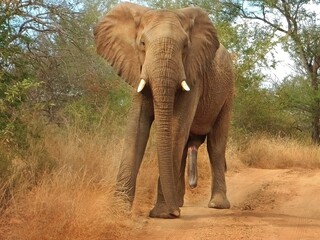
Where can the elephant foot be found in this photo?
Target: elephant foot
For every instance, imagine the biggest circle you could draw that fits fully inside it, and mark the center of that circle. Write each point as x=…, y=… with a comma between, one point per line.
x=181, y=202
x=161, y=210
x=123, y=200
x=219, y=201
x=181, y=197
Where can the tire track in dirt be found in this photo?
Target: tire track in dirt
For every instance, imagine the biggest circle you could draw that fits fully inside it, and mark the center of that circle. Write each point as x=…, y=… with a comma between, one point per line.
x=266, y=204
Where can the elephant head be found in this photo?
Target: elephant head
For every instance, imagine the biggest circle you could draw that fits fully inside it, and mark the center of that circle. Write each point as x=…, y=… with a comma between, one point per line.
x=167, y=51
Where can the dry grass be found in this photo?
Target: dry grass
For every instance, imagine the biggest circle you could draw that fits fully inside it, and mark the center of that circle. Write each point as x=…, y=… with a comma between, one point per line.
x=73, y=201
x=266, y=152
x=65, y=206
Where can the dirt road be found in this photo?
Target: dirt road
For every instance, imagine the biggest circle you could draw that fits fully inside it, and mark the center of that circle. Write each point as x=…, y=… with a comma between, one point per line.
x=266, y=204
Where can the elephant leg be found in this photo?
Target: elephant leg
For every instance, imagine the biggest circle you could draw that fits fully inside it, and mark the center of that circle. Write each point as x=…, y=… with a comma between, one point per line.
x=181, y=181
x=182, y=120
x=137, y=134
x=160, y=209
x=216, y=144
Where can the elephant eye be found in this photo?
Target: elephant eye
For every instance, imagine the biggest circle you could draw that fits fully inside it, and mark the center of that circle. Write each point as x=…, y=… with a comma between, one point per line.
x=142, y=44
x=185, y=46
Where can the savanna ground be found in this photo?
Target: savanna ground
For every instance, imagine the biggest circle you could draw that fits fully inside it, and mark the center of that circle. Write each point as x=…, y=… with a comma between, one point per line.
x=273, y=186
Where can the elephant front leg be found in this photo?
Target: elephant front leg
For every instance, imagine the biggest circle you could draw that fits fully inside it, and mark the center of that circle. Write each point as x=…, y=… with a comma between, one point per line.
x=181, y=181
x=216, y=144
x=184, y=110
x=137, y=134
x=161, y=210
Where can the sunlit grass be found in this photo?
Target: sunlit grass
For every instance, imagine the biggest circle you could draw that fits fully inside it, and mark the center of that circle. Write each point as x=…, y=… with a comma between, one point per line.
x=64, y=188
x=266, y=152
x=72, y=200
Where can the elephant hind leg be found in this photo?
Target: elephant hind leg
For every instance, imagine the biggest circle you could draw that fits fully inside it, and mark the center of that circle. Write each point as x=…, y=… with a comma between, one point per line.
x=216, y=144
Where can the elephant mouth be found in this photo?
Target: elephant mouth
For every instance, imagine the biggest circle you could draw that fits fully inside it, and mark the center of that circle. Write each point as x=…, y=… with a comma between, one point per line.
x=143, y=82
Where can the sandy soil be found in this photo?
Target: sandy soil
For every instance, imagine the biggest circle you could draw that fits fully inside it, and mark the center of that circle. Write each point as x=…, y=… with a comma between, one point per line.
x=266, y=204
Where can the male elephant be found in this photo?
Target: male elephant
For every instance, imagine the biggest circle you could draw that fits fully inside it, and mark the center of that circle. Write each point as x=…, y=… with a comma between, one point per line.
x=184, y=81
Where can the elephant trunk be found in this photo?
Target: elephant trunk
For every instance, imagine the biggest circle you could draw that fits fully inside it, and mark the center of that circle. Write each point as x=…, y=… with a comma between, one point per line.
x=162, y=63
x=163, y=105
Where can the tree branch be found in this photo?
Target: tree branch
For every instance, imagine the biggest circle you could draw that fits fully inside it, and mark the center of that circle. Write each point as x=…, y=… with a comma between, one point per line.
x=264, y=19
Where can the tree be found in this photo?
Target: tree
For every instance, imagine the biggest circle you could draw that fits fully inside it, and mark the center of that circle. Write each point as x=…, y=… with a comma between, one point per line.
x=23, y=24
x=296, y=22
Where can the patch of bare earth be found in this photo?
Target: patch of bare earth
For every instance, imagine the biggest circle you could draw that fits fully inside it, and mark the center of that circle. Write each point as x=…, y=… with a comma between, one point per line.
x=266, y=204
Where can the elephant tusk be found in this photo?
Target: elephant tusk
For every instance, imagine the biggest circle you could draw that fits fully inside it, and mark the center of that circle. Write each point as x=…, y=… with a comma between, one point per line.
x=141, y=85
x=185, y=86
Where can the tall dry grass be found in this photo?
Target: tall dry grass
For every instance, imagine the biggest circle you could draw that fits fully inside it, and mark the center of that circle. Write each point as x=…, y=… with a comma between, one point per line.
x=266, y=152
x=72, y=197
x=74, y=200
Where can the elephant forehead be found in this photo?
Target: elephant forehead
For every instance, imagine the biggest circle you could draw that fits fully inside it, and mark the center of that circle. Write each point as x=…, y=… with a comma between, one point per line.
x=160, y=16
x=163, y=23
x=163, y=30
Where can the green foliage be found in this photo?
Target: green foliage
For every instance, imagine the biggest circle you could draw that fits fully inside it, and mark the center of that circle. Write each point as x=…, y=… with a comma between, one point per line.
x=12, y=96
x=106, y=114
x=297, y=29
x=120, y=99
x=166, y=4
x=259, y=111
x=300, y=99
x=256, y=108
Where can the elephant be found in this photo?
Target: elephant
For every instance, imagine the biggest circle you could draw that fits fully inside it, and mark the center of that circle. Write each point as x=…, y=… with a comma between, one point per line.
x=193, y=145
x=184, y=80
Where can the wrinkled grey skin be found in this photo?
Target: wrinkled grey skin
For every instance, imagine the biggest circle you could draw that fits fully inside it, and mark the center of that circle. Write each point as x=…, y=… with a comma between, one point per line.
x=166, y=47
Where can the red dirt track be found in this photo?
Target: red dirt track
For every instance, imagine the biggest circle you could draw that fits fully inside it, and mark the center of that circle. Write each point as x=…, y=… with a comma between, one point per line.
x=266, y=204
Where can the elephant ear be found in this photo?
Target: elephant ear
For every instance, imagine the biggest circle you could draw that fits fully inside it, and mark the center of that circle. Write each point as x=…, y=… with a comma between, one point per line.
x=204, y=43
x=115, y=37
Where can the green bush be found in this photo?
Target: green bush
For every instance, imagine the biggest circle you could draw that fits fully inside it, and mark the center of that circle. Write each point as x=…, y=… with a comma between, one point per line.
x=106, y=114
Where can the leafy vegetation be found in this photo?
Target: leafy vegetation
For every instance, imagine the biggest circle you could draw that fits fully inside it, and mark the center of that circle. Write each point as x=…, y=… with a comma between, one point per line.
x=295, y=26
